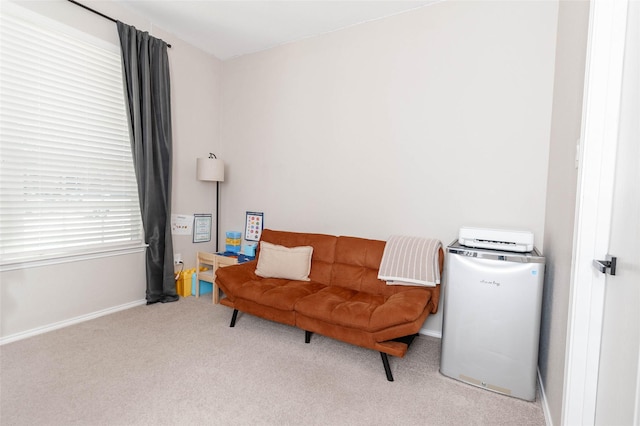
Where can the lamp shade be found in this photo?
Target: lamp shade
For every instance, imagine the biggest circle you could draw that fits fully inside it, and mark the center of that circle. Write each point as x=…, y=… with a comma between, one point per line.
x=210, y=169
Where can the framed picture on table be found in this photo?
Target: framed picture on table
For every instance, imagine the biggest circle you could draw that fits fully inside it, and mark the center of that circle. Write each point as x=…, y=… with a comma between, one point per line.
x=201, y=228
x=253, y=226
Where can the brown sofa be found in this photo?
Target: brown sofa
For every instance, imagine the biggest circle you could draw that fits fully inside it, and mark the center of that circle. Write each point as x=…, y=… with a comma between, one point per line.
x=343, y=299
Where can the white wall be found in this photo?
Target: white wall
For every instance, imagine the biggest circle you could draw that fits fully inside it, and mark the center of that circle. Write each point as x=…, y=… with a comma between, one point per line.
x=33, y=299
x=415, y=124
x=573, y=20
x=39, y=299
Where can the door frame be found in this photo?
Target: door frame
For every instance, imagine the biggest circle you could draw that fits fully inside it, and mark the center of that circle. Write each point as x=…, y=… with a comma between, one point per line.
x=600, y=118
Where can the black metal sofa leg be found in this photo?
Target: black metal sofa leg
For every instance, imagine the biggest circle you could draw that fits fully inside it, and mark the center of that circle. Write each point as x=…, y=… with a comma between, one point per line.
x=307, y=336
x=387, y=369
x=233, y=318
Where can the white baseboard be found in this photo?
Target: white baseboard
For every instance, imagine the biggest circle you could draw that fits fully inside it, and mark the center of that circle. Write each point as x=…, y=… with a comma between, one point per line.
x=68, y=322
x=544, y=402
x=432, y=333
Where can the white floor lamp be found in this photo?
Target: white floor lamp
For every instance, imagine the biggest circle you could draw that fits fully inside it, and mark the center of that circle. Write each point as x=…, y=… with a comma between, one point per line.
x=212, y=169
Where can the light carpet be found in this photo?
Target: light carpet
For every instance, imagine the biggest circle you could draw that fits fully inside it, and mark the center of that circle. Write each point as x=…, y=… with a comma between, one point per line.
x=181, y=364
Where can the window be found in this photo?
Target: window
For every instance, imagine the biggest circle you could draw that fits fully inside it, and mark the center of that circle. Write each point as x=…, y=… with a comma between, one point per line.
x=67, y=182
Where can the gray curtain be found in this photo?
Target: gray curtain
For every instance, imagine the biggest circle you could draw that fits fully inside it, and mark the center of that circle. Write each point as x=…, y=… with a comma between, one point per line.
x=146, y=78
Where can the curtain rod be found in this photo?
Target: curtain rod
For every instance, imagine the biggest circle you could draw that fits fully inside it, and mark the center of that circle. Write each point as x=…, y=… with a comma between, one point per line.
x=98, y=13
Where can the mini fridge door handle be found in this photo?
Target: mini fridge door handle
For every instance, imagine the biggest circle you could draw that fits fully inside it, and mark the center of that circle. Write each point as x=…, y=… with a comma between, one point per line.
x=608, y=263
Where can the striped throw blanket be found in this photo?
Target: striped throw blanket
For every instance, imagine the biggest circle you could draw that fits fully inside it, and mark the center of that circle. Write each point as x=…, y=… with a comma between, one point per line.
x=410, y=261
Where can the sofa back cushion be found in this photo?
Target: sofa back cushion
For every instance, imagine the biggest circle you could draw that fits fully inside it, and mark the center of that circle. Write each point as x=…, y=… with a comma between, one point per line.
x=323, y=250
x=356, y=265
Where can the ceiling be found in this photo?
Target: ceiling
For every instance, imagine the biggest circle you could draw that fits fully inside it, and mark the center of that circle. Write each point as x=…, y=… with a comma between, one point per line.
x=229, y=28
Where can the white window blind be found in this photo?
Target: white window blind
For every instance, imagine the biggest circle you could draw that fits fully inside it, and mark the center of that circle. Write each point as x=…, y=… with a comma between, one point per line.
x=67, y=183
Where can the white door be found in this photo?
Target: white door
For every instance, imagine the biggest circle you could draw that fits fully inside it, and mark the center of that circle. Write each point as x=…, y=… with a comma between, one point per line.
x=617, y=395
x=602, y=382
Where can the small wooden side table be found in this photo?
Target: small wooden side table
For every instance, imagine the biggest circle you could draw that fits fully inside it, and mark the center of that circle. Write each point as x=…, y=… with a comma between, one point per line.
x=212, y=261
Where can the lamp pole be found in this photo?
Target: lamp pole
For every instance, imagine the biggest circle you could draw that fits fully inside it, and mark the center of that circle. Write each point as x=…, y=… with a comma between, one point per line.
x=217, y=211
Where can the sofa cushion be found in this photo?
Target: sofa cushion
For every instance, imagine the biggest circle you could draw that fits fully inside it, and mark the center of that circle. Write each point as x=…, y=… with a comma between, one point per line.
x=323, y=250
x=365, y=311
x=276, y=261
x=356, y=265
x=274, y=292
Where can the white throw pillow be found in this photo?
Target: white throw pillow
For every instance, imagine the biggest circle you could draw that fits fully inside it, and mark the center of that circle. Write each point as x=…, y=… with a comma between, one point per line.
x=276, y=261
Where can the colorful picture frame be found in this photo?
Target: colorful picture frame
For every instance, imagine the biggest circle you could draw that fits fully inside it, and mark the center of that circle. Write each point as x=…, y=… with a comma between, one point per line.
x=254, y=225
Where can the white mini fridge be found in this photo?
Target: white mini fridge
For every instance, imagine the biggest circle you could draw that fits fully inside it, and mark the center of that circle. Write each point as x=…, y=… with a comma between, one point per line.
x=491, y=318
